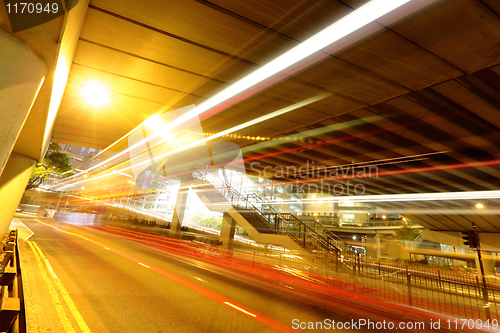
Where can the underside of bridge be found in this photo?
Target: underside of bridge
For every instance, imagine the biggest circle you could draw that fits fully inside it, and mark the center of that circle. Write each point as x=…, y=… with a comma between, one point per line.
x=413, y=97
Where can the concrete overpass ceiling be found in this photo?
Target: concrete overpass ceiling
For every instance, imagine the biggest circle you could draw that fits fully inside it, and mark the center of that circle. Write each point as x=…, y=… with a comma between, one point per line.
x=418, y=98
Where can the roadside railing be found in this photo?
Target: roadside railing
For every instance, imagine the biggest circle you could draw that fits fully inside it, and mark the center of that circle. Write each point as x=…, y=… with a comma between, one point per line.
x=446, y=291
x=453, y=293
x=10, y=303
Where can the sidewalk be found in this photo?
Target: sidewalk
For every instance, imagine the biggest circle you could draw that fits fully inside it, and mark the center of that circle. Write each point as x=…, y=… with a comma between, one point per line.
x=47, y=304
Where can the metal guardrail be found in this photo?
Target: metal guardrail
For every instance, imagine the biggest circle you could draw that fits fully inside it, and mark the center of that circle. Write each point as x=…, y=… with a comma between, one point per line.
x=440, y=290
x=10, y=303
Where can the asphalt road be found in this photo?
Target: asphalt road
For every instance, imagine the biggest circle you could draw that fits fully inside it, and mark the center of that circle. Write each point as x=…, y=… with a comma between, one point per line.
x=119, y=283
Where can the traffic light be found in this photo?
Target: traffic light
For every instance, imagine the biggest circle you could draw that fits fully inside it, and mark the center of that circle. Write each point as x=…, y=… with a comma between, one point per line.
x=469, y=239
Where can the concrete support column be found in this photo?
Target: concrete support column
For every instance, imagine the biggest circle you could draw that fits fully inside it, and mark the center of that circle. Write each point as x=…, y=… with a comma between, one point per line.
x=373, y=211
x=335, y=209
x=13, y=180
x=227, y=231
x=378, y=246
x=179, y=210
x=21, y=75
x=284, y=192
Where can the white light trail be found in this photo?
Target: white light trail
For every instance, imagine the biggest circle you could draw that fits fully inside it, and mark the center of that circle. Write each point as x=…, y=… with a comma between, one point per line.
x=364, y=15
x=236, y=128
x=471, y=195
x=240, y=309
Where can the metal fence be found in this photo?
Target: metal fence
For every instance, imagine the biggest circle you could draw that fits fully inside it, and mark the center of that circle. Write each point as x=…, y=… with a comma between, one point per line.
x=440, y=290
x=444, y=291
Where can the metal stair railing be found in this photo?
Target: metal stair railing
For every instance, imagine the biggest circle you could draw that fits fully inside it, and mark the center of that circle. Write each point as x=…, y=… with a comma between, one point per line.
x=237, y=200
x=309, y=234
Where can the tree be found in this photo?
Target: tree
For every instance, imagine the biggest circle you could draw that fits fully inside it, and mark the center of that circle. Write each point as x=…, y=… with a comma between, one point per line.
x=210, y=220
x=407, y=233
x=54, y=163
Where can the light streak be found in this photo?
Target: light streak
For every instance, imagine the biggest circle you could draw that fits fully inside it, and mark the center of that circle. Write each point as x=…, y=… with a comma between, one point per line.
x=359, y=18
x=183, y=282
x=439, y=196
x=212, y=137
x=236, y=128
x=240, y=309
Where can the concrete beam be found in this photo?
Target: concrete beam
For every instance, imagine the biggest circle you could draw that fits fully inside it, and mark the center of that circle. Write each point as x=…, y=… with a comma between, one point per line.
x=489, y=241
x=22, y=72
x=56, y=42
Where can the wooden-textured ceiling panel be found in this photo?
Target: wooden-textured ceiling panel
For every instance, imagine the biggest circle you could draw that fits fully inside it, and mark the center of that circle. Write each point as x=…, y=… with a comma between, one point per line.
x=383, y=52
x=107, y=117
x=398, y=99
x=350, y=81
x=91, y=126
x=80, y=75
x=298, y=19
x=104, y=59
x=394, y=58
x=130, y=38
x=202, y=25
x=464, y=33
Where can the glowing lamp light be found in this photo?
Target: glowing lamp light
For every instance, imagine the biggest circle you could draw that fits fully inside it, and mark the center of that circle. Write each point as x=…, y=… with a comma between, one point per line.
x=384, y=217
x=479, y=205
x=95, y=94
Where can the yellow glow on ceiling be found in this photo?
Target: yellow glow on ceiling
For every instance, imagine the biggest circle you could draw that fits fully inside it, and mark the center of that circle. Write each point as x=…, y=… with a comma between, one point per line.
x=96, y=94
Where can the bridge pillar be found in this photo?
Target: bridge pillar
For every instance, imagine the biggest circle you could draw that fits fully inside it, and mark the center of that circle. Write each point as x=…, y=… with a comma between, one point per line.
x=378, y=247
x=13, y=181
x=21, y=75
x=179, y=211
x=227, y=231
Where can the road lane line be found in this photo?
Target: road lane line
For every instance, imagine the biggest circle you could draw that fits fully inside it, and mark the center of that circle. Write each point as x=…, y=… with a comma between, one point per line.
x=50, y=269
x=193, y=286
x=240, y=309
x=23, y=226
x=143, y=265
x=53, y=293
x=69, y=302
x=45, y=260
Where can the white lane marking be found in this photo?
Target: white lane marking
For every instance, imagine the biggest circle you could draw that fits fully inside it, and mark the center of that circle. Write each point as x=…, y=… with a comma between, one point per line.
x=18, y=221
x=240, y=309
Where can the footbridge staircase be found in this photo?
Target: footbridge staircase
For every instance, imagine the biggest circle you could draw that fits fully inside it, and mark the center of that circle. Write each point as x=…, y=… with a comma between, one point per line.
x=266, y=224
